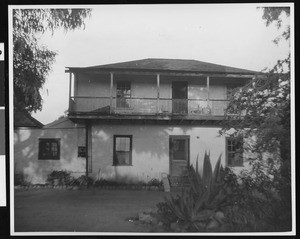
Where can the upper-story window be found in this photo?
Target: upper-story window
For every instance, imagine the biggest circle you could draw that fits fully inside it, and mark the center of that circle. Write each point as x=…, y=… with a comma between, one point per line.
x=123, y=94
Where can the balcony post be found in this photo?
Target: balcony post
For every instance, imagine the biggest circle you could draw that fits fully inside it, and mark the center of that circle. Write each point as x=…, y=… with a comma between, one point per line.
x=111, y=91
x=70, y=87
x=207, y=88
x=157, y=99
x=87, y=143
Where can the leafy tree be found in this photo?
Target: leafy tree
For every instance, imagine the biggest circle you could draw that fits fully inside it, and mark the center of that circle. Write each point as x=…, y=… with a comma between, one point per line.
x=273, y=15
x=261, y=110
x=32, y=61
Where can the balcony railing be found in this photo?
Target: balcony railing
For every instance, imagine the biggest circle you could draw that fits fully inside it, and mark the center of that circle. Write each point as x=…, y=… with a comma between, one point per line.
x=147, y=106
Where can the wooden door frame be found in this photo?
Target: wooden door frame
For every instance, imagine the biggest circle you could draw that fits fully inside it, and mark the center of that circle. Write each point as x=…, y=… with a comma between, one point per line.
x=170, y=158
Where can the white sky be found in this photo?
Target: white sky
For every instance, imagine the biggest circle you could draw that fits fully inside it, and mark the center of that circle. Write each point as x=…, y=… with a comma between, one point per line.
x=232, y=35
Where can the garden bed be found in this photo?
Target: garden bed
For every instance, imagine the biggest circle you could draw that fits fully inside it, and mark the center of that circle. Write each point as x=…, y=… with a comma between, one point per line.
x=109, y=187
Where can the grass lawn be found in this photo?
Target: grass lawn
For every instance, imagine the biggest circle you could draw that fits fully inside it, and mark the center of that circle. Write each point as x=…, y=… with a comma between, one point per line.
x=87, y=210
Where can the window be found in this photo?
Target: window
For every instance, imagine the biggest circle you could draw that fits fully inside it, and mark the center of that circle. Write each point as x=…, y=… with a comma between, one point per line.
x=122, y=150
x=234, y=152
x=179, y=149
x=81, y=151
x=123, y=94
x=49, y=149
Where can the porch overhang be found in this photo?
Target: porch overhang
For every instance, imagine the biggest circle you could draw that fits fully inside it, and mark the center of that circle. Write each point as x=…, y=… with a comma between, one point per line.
x=149, y=119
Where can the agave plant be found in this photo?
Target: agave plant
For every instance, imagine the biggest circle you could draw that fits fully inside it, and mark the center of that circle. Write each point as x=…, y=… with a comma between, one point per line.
x=198, y=203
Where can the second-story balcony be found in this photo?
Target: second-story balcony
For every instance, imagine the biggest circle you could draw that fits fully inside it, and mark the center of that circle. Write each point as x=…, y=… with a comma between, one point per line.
x=146, y=106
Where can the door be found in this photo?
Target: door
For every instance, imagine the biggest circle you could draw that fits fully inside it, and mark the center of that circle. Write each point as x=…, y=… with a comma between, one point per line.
x=179, y=155
x=179, y=97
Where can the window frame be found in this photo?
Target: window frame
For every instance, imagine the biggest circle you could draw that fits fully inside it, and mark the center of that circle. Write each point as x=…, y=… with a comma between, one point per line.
x=115, y=161
x=227, y=139
x=49, y=155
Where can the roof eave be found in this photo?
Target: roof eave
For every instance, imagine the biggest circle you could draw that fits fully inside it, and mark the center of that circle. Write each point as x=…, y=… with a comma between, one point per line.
x=161, y=71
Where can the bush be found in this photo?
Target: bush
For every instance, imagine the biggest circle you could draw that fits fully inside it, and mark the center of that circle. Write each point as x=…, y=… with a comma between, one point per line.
x=19, y=180
x=222, y=201
x=198, y=205
x=105, y=182
x=165, y=214
x=255, y=202
x=155, y=182
x=63, y=177
x=84, y=180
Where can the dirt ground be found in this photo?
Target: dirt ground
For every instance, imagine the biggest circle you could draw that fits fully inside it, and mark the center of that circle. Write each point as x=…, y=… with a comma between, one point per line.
x=87, y=210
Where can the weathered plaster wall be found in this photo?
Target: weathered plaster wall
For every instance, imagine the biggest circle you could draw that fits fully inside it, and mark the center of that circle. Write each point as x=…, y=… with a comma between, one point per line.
x=26, y=160
x=150, y=149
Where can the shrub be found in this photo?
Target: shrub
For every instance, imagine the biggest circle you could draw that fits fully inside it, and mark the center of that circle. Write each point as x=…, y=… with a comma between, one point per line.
x=165, y=214
x=196, y=206
x=84, y=180
x=63, y=177
x=155, y=182
x=105, y=182
x=19, y=180
x=255, y=202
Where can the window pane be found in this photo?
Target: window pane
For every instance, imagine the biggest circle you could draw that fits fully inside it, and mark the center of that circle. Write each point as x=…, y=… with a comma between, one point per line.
x=122, y=153
x=123, y=144
x=122, y=158
x=234, y=152
x=179, y=150
x=49, y=149
x=54, y=149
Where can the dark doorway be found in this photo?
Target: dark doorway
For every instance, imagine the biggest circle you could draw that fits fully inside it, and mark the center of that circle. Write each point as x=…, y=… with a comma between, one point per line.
x=180, y=97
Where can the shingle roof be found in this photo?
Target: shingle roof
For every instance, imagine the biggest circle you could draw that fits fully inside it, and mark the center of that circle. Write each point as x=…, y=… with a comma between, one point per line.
x=62, y=122
x=169, y=65
x=24, y=119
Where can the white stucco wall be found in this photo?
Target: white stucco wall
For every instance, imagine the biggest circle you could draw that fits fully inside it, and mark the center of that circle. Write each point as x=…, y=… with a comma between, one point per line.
x=150, y=149
x=26, y=149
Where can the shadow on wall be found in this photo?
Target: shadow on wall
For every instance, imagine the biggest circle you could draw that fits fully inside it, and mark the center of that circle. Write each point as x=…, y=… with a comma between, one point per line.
x=150, y=153
x=26, y=151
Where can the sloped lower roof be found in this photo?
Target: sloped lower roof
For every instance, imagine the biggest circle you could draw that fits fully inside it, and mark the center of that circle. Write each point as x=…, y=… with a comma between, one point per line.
x=62, y=123
x=24, y=119
x=169, y=65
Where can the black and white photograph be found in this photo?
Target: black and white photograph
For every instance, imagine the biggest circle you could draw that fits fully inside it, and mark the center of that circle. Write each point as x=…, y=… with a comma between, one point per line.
x=152, y=119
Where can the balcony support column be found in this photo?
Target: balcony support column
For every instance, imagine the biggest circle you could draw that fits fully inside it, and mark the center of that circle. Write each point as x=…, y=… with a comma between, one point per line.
x=111, y=91
x=87, y=148
x=158, y=89
x=207, y=88
x=70, y=87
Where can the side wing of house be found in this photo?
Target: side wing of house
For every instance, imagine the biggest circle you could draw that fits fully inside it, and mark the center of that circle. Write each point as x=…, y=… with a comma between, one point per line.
x=39, y=151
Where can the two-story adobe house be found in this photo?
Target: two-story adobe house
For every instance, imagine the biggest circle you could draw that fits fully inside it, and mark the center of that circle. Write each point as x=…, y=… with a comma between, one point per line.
x=151, y=117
